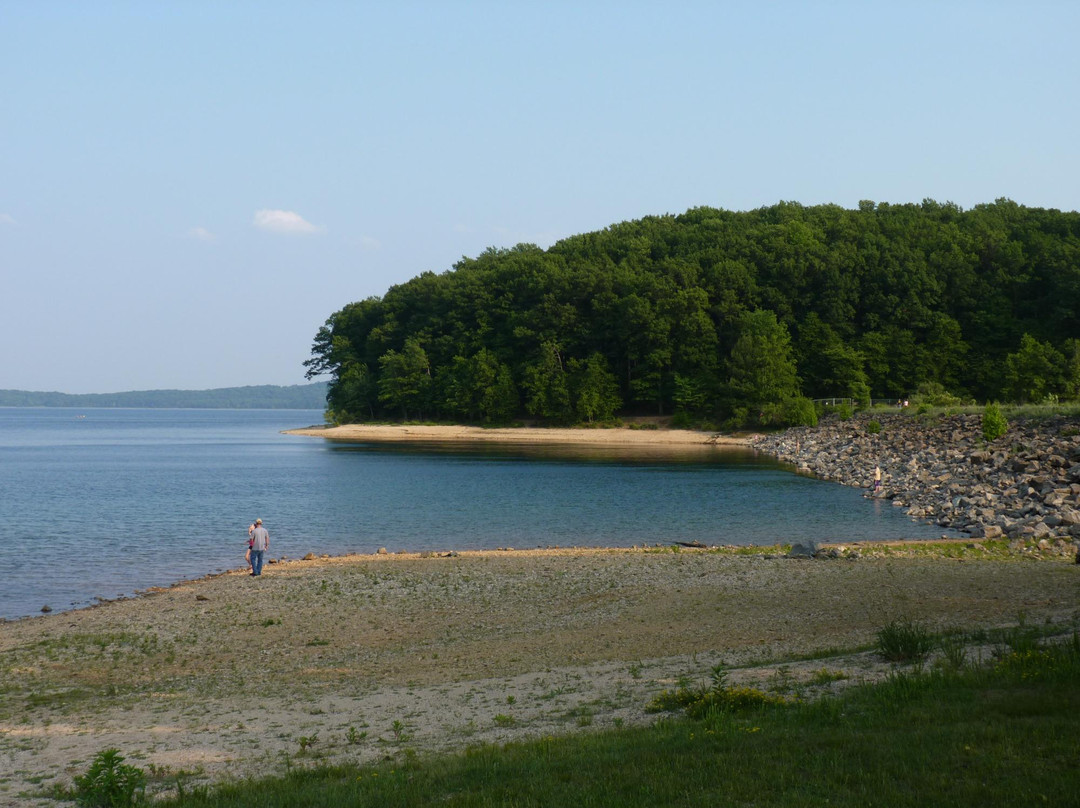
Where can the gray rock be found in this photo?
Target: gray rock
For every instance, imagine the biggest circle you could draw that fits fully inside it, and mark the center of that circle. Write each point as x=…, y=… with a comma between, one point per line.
x=940, y=470
x=807, y=548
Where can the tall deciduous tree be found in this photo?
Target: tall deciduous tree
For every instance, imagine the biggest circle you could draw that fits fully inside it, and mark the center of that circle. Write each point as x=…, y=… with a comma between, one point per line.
x=761, y=366
x=594, y=391
x=1035, y=371
x=762, y=372
x=406, y=378
x=546, y=389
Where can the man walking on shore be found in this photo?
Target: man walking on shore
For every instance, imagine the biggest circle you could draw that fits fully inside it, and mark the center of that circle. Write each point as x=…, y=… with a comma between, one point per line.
x=260, y=543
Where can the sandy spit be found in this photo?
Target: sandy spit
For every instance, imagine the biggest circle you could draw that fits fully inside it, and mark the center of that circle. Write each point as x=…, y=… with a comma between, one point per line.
x=623, y=436
x=362, y=657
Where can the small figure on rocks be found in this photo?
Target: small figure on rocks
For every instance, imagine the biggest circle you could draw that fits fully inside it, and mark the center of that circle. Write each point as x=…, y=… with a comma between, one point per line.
x=877, y=479
x=260, y=543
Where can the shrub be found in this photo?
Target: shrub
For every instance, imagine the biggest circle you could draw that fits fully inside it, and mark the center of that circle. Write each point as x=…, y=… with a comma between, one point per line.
x=844, y=411
x=874, y=427
x=110, y=783
x=934, y=394
x=682, y=420
x=799, y=411
x=994, y=424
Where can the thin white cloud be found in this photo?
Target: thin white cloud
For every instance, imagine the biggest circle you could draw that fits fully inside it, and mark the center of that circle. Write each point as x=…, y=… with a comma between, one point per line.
x=8, y=220
x=202, y=234
x=369, y=243
x=285, y=221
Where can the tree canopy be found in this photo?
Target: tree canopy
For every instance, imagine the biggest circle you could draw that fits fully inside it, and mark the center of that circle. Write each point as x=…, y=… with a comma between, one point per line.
x=722, y=315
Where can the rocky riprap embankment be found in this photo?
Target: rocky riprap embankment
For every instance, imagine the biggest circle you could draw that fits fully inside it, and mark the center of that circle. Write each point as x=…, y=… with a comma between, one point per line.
x=1024, y=486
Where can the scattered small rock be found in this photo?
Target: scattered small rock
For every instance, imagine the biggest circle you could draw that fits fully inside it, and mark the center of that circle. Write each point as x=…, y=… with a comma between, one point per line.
x=47, y=608
x=383, y=551
x=201, y=597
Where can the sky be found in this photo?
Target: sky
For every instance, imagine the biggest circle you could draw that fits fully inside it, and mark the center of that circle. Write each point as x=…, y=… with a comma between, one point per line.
x=188, y=190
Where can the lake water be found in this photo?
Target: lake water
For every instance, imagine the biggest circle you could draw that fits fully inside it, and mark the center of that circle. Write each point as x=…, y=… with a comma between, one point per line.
x=101, y=503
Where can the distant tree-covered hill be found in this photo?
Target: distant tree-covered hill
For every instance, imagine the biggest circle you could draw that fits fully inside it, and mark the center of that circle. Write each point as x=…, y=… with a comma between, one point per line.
x=734, y=316
x=267, y=396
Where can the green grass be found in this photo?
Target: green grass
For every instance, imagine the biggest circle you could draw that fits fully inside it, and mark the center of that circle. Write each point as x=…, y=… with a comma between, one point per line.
x=1002, y=734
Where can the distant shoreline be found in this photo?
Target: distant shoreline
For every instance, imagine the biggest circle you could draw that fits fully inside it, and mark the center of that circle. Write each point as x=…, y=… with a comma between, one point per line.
x=252, y=397
x=622, y=437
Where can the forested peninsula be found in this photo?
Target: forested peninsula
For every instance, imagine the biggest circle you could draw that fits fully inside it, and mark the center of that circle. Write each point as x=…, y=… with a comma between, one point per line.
x=727, y=318
x=265, y=396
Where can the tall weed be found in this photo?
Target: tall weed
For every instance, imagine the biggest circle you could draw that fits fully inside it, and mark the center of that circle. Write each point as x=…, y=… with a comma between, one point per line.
x=904, y=641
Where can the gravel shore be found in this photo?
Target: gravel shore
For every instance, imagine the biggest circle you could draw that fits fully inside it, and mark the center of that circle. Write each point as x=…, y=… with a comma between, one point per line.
x=360, y=657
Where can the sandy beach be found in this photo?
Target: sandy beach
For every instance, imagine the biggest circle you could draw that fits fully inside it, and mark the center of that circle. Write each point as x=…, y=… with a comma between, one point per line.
x=361, y=657
x=641, y=434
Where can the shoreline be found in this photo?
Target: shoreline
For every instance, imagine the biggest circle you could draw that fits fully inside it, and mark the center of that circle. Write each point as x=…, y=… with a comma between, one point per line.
x=850, y=550
x=523, y=436
x=351, y=653
x=344, y=649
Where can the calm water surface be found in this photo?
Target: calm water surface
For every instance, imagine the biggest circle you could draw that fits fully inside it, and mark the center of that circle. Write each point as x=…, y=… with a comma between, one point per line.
x=100, y=503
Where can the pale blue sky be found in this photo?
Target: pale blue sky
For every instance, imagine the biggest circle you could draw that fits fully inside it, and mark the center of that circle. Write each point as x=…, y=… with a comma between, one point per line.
x=189, y=189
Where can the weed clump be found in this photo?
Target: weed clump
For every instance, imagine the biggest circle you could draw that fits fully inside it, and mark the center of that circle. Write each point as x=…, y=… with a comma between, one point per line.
x=111, y=783
x=698, y=702
x=904, y=641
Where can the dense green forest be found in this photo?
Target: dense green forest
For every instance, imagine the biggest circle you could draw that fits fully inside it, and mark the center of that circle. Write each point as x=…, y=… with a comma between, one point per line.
x=725, y=317
x=266, y=396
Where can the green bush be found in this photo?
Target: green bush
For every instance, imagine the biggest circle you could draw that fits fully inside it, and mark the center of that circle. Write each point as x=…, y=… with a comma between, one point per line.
x=994, y=424
x=874, y=427
x=934, y=394
x=844, y=411
x=110, y=783
x=682, y=420
x=799, y=411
